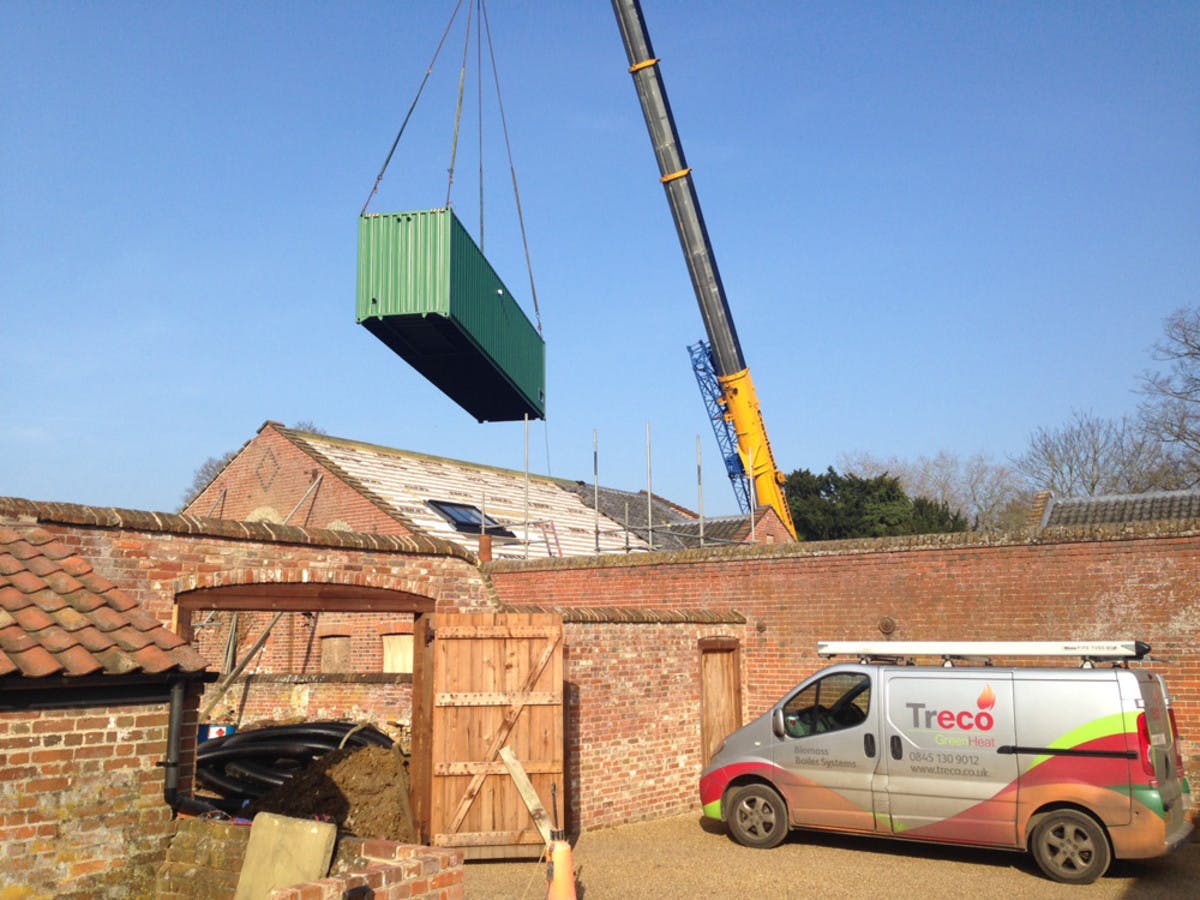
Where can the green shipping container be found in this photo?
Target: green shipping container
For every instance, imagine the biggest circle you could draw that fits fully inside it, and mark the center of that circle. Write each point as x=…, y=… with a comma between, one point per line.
x=427, y=292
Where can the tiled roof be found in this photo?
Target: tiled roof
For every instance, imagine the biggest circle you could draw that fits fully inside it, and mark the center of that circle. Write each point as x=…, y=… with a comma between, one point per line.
x=402, y=482
x=58, y=617
x=629, y=510
x=1120, y=509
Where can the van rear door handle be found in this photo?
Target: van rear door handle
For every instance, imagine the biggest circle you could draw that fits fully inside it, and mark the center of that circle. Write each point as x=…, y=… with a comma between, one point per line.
x=869, y=745
x=897, y=750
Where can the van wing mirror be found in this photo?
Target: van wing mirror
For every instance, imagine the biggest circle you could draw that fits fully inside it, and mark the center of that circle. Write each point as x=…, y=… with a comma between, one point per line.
x=777, y=723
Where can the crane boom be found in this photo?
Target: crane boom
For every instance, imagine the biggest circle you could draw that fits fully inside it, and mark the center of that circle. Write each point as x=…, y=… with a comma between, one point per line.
x=739, y=398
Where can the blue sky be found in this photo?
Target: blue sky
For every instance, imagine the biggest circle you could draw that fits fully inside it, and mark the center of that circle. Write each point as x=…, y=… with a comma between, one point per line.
x=940, y=226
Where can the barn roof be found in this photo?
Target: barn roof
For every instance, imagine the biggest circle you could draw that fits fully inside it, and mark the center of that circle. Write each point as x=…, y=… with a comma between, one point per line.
x=58, y=617
x=1120, y=509
x=412, y=486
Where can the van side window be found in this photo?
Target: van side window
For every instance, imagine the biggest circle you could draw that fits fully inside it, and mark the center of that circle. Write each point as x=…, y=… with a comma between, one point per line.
x=837, y=701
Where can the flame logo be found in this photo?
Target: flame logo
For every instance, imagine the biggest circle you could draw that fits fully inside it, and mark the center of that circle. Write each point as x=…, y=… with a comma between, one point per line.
x=987, y=699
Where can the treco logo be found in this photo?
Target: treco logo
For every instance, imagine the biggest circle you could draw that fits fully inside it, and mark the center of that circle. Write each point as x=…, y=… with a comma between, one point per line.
x=949, y=720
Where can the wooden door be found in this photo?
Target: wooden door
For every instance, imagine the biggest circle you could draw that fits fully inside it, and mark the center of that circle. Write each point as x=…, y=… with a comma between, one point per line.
x=482, y=682
x=720, y=693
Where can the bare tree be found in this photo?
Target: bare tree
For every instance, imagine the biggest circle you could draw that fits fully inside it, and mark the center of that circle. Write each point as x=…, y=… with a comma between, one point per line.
x=1171, y=410
x=1091, y=456
x=992, y=496
x=202, y=476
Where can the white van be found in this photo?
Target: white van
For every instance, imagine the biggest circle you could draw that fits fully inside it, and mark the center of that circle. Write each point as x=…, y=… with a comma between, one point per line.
x=1075, y=765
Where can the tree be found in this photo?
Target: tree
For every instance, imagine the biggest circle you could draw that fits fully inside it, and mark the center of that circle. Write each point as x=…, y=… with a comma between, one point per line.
x=1171, y=411
x=830, y=506
x=1091, y=456
x=202, y=476
x=990, y=496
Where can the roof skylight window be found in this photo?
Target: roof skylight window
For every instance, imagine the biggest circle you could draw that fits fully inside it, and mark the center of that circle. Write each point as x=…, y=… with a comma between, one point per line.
x=468, y=519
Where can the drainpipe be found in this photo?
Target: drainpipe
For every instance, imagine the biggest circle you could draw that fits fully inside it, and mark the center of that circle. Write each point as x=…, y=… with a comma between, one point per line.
x=178, y=804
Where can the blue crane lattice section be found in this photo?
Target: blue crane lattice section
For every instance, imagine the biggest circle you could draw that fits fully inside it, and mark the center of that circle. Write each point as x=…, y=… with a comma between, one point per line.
x=710, y=391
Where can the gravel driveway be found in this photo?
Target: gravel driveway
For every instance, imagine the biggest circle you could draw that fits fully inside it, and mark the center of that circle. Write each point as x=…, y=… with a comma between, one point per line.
x=687, y=857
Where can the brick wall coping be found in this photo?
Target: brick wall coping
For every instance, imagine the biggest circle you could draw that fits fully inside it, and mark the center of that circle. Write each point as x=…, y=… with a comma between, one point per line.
x=613, y=615
x=1027, y=537
x=178, y=523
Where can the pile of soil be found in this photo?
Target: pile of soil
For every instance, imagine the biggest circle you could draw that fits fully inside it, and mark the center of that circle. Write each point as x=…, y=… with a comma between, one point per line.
x=364, y=790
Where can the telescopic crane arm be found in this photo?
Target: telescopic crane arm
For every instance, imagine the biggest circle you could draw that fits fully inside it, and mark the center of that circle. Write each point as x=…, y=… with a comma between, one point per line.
x=739, y=399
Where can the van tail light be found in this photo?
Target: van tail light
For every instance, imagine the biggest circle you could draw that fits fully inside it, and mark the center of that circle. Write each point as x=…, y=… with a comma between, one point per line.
x=1145, y=751
x=1175, y=740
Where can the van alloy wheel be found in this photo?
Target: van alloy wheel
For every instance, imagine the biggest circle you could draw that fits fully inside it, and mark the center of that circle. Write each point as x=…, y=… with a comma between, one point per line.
x=757, y=816
x=1070, y=846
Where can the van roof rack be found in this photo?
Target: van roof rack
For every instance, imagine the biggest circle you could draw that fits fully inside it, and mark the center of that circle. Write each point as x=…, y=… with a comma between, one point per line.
x=895, y=651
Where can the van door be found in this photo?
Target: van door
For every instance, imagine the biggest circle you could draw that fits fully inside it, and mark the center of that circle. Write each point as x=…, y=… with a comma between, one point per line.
x=942, y=777
x=827, y=745
x=1158, y=742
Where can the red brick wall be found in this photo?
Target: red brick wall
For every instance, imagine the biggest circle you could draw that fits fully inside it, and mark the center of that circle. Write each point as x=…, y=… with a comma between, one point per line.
x=79, y=788
x=633, y=722
x=272, y=472
x=1075, y=585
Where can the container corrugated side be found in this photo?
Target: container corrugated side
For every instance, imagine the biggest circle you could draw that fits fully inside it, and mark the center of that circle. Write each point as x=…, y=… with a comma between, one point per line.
x=430, y=295
x=482, y=304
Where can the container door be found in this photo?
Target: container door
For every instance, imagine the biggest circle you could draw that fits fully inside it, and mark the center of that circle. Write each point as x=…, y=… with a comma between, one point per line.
x=944, y=778
x=829, y=750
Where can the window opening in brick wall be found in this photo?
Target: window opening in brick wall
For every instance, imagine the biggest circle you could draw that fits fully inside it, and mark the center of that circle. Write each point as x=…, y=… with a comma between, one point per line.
x=398, y=653
x=335, y=653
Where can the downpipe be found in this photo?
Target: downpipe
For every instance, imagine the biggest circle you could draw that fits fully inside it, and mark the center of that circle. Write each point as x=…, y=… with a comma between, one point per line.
x=179, y=804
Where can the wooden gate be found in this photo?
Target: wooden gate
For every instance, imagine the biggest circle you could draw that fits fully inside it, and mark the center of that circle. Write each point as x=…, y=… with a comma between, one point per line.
x=482, y=682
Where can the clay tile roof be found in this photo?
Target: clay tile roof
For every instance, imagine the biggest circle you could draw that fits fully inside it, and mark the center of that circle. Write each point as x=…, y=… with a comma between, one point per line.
x=95, y=583
x=26, y=582
x=12, y=599
x=41, y=566
x=121, y=601
x=48, y=600
x=70, y=619
x=58, y=580
x=35, y=662
x=59, y=618
x=33, y=619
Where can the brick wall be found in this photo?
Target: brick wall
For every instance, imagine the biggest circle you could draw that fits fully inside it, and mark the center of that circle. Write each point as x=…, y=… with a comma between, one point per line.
x=79, y=788
x=205, y=858
x=633, y=726
x=1078, y=584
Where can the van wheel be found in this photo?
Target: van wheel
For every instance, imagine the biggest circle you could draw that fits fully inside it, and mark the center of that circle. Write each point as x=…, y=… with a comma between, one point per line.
x=1071, y=847
x=757, y=816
